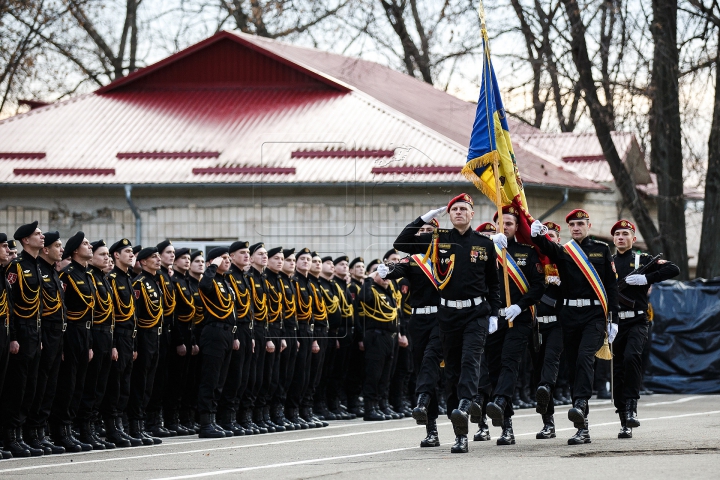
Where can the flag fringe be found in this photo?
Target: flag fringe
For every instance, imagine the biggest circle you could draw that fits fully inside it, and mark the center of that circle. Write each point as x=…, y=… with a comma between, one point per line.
x=468, y=172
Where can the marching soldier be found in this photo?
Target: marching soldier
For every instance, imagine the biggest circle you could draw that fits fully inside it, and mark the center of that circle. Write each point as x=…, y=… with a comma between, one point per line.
x=590, y=298
x=53, y=326
x=504, y=349
x=546, y=362
x=102, y=341
x=149, y=315
x=290, y=327
x=80, y=297
x=633, y=320
x=217, y=340
x=465, y=270
x=5, y=311
x=320, y=340
x=124, y=349
x=356, y=366
x=190, y=394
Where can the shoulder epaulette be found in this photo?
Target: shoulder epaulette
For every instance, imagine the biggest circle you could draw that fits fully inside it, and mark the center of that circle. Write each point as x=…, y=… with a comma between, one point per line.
x=526, y=245
x=70, y=268
x=600, y=242
x=442, y=230
x=113, y=275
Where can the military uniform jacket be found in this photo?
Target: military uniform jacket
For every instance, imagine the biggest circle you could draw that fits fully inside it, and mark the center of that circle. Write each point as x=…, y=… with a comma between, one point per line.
x=289, y=301
x=551, y=301
x=167, y=289
x=379, y=307
x=527, y=260
x=625, y=264
x=184, y=308
x=217, y=298
x=303, y=299
x=258, y=296
x=53, y=295
x=103, y=311
x=353, y=290
x=24, y=277
x=240, y=282
x=5, y=304
x=123, y=300
x=148, y=301
x=319, y=307
x=194, y=285
x=331, y=297
x=347, y=311
x=475, y=271
x=274, y=290
x=422, y=292
x=79, y=293
x=574, y=285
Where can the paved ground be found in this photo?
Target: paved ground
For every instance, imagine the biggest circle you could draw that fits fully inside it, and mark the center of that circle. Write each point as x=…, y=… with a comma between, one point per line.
x=679, y=437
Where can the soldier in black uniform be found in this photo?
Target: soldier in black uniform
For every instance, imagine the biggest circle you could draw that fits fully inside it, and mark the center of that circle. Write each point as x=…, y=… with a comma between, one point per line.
x=149, y=316
x=466, y=267
x=633, y=321
x=80, y=297
x=505, y=348
x=393, y=401
x=182, y=340
x=356, y=365
x=25, y=278
x=546, y=361
x=190, y=393
x=217, y=341
x=582, y=318
x=344, y=340
x=102, y=341
x=53, y=326
x=424, y=334
x=123, y=350
x=320, y=340
x=169, y=344
x=331, y=297
x=5, y=312
x=290, y=327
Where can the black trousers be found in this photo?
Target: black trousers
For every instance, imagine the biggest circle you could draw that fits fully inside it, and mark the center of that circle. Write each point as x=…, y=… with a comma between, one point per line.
x=427, y=356
x=462, y=333
x=237, y=375
x=4, y=354
x=117, y=392
x=327, y=367
x=142, y=376
x=627, y=364
x=301, y=375
x=160, y=381
x=403, y=367
x=47, y=376
x=190, y=392
x=379, y=346
x=216, y=344
x=287, y=366
x=71, y=379
x=316, y=365
x=341, y=343
x=21, y=377
x=97, y=375
x=546, y=362
x=354, y=378
x=178, y=371
x=271, y=367
x=583, y=335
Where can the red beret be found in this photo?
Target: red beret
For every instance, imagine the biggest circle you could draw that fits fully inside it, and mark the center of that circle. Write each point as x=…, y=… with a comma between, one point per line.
x=486, y=227
x=508, y=210
x=577, y=214
x=434, y=222
x=463, y=197
x=623, y=225
x=552, y=226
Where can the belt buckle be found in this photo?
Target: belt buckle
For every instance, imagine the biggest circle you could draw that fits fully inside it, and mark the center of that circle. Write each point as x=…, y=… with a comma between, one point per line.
x=160, y=330
x=134, y=332
x=234, y=329
x=586, y=302
x=458, y=304
x=64, y=326
x=88, y=324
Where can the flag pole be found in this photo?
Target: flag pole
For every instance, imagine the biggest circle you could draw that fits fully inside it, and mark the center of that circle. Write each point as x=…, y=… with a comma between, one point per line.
x=496, y=174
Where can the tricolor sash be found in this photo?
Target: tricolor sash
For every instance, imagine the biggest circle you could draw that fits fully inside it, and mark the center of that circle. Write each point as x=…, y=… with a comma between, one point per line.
x=514, y=272
x=425, y=267
x=431, y=265
x=583, y=263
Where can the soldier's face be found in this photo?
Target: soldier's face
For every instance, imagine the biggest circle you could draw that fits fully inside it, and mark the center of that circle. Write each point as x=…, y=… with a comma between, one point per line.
x=341, y=269
x=275, y=263
x=168, y=256
x=259, y=258
x=13, y=255
x=509, y=225
x=225, y=264
x=461, y=214
x=554, y=236
x=241, y=257
x=394, y=258
x=54, y=252
x=303, y=264
x=110, y=265
x=579, y=228
x=358, y=270
x=197, y=266
x=100, y=258
x=316, y=266
x=125, y=257
x=427, y=228
x=289, y=264
x=36, y=240
x=4, y=253
x=182, y=264
x=152, y=262
x=383, y=282
x=372, y=268
x=328, y=268
x=624, y=239
x=84, y=252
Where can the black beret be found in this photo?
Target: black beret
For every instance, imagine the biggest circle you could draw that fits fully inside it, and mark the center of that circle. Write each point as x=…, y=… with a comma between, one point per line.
x=256, y=246
x=326, y=258
x=50, y=238
x=136, y=249
x=239, y=245
x=3, y=237
x=314, y=254
x=181, y=251
x=73, y=244
x=372, y=262
x=97, y=244
x=343, y=258
x=356, y=260
x=288, y=251
x=12, y=245
x=25, y=230
x=274, y=251
x=120, y=245
x=303, y=251
x=146, y=253
x=392, y=251
x=216, y=252
x=163, y=245
x=195, y=254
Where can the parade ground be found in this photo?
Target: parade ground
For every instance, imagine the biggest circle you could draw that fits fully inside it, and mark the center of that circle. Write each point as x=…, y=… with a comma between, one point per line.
x=679, y=438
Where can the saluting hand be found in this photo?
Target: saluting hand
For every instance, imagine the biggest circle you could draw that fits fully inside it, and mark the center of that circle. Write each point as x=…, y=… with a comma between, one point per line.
x=217, y=261
x=432, y=214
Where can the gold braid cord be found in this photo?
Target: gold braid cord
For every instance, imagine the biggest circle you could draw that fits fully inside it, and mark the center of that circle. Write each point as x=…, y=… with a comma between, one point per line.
x=154, y=311
x=28, y=295
x=123, y=311
x=168, y=296
x=4, y=308
x=275, y=304
x=332, y=303
x=261, y=309
x=320, y=304
x=51, y=304
x=346, y=308
x=87, y=300
x=242, y=298
x=224, y=306
x=188, y=302
x=289, y=307
x=103, y=306
x=381, y=310
x=304, y=310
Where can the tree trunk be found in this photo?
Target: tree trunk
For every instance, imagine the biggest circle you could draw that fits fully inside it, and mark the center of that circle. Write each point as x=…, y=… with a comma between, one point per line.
x=709, y=256
x=603, y=122
x=666, y=159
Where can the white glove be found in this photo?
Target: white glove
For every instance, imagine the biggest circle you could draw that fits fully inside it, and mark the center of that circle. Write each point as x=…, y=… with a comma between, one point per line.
x=492, y=327
x=636, y=279
x=432, y=214
x=383, y=270
x=612, y=331
x=553, y=279
x=536, y=228
x=511, y=312
x=500, y=240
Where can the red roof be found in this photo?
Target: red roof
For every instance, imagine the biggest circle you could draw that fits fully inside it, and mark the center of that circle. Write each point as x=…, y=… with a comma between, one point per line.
x=236, y=108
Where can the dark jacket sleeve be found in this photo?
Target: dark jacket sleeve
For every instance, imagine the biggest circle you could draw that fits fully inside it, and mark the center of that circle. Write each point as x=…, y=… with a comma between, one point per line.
x=537, y=283
x=610, y=282
x=661, y=272
x=400, y=270
x=492, y=280
x=409, y=242
x=206, y=282
x=551, y=249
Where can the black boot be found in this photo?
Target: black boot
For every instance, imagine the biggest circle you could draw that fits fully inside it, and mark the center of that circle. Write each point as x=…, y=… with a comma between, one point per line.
x=157, y=428
x=268, y=420
x=577, y=413
x=207, y=430
x=526, y=397
x=278, y=417
x=5, y=455
x=243, y=420
x=582, y=436
x=257, y=419
x=516, y=402
x=30, y=438
x=625, y=431
x=86, y=436
x=432, y=439
x=459, y=418
x=483, y=433
x=11, y=444
x=387, y=410
x=420, y=413
x=85, y=447
x=542, y=399
x=174, y=425
x=294, y=416
x=567, y=396
x=120, y=428
x=96, y=435
x=135, y=431
x=228, y=422
x=603, y=392
x=507, y=437
x=631, y=419
x=318, y=423
x=35, y=452
x=548, y=430
x=496, y=410
x=60, y=436
x=112, y=435
x=558, y=398
x=146, y=434
x=371, y=413
x=460, y=445
x=45, y=441
x=476, y=413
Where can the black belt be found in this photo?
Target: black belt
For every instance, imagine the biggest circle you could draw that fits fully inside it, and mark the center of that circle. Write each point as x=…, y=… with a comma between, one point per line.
x=387, y=332
x=126, y=332
x=224, y=326
x=103, y=328
x=80, y=324
x=60, y=327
